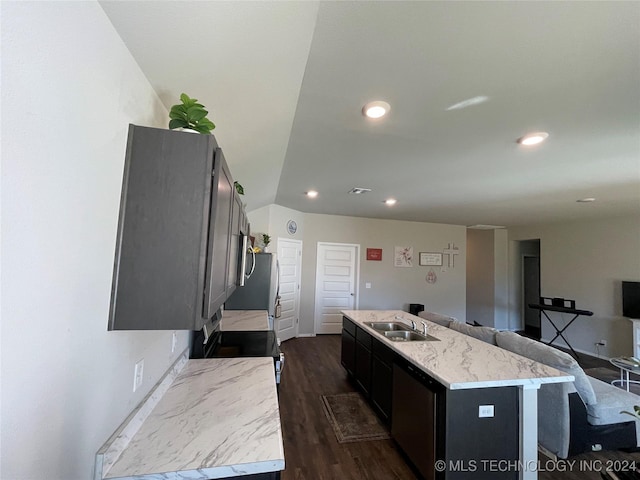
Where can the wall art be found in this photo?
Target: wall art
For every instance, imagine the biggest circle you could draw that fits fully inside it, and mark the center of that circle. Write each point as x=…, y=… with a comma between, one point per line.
x=429, y=258
x=374, y=254
x=403, y=257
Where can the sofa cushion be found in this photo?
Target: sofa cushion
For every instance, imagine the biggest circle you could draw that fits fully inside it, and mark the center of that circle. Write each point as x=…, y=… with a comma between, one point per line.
x=437, y=318
x=550, y=356
x=611, y=401
x=486, y=334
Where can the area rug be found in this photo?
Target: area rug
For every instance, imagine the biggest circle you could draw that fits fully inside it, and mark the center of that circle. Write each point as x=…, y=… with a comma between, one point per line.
x=352, y=419
x=607, y=375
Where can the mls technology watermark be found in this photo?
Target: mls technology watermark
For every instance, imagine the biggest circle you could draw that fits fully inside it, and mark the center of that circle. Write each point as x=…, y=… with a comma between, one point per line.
x=536, y=466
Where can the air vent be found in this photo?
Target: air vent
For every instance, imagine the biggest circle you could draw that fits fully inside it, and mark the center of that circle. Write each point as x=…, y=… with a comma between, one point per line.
x=359, y=190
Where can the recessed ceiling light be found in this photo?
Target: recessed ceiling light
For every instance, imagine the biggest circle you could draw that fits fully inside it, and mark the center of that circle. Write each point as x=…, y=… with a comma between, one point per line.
x=533, y=138
x=312, y=194
x=468, y=103
x=359, y=190
x=586, y=200
x=390, y=201
x=376, y=109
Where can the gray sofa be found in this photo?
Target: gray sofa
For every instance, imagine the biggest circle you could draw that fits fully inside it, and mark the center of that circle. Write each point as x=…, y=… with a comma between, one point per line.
x=573, y=417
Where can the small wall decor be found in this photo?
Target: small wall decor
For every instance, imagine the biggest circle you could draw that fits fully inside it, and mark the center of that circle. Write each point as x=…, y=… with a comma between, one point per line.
x=403, y=257
x=431, y=277
x=450, y=252
x=292, y=227
x=374, y=254
x=428, y=258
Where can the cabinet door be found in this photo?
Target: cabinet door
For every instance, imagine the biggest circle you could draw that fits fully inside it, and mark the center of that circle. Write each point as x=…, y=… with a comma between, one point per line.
x=235, y=244
x=219, y=234
x=159, y=265
x=348, y=354
x=363, y=368
x=382, y=379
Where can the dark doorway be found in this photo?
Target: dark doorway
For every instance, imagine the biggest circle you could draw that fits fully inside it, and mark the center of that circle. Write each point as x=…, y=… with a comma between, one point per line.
x=531, y=294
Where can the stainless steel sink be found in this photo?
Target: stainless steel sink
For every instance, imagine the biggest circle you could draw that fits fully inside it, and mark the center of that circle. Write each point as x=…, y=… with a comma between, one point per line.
x=387, y=326
x=409, y=336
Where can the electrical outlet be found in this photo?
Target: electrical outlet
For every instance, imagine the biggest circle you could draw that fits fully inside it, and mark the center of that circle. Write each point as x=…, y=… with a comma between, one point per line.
x=367, y=285
x=138, y=375
x=174, y=342
x=485, y=411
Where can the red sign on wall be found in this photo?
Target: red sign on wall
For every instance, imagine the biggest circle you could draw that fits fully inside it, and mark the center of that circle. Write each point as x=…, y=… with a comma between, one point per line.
x=374, y=254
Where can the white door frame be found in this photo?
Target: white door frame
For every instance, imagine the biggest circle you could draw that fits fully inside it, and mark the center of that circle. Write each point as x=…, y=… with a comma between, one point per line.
x=356, y=279
x=297, y=291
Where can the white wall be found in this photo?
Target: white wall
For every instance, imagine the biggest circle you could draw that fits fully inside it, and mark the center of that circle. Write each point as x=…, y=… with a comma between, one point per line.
x=272, y=219
x=391, y=287
x=480, y=276
x=586, y=261
x=70, y=88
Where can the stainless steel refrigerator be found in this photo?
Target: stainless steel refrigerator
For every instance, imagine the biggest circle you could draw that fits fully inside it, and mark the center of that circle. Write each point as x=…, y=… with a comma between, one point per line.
x=261, y=289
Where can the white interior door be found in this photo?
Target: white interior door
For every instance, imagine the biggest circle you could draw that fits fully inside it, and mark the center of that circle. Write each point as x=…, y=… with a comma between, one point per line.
x=336, y=284
x=290, y=259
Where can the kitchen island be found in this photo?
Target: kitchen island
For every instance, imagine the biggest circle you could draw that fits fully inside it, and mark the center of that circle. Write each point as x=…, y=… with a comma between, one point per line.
x=478, y=391
x=217, y=418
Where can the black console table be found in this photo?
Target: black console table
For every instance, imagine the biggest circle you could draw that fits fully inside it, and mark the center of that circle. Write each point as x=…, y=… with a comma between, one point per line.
x=551, y=308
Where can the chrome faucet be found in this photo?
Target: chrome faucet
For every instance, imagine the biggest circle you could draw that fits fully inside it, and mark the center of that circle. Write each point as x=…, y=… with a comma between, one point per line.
x=424, y=328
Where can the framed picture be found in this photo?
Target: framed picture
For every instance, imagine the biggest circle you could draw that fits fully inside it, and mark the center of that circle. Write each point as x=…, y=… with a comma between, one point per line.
x=374, y=254
x=403, y=257
x=428, y=258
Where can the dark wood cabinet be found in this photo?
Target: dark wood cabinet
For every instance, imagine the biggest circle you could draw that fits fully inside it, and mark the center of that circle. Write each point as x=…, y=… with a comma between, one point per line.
x=235, y=244
x=382, y=379
x=348, y=354
x=363, y=368
x=172, y=261
x=369, y=362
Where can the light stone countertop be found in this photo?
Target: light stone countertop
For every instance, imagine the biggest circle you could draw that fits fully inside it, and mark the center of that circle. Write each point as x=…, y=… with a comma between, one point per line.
x=459, y=361
x=244, y=320
x=219, y=418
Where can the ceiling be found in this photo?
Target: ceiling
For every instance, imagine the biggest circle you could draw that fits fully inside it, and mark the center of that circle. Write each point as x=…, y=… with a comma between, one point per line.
x=285, y=83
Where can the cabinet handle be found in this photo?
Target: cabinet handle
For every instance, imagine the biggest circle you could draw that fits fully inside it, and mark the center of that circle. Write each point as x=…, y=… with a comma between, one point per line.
x=243, y=267
x=253, y=262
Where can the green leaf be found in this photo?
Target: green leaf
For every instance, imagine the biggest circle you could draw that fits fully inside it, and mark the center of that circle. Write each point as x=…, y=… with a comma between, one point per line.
x=177, y=123
x=177, y=114
x=195, y=114
x=208, y=123
x=239, y=188
x=187, y=101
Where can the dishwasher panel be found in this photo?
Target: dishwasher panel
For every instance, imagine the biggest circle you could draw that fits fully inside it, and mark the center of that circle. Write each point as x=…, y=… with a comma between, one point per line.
x=414, y=418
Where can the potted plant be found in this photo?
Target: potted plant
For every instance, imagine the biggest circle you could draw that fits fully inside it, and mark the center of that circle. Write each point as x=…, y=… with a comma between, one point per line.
x=266, y=240
x=190, y=115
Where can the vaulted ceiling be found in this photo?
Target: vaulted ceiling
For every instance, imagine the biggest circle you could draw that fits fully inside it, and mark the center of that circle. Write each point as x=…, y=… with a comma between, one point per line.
x=285, y=83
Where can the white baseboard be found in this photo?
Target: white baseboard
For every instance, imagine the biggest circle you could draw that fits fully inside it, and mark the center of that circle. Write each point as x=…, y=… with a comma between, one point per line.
x=300, y=335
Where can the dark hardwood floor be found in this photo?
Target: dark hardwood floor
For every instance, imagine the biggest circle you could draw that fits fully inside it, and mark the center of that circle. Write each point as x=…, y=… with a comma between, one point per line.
x=310, y=446
x=313, y=453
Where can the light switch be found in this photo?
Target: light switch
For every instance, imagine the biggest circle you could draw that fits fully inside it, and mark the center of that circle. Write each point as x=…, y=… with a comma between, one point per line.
x=367, y=285
x=485, y=411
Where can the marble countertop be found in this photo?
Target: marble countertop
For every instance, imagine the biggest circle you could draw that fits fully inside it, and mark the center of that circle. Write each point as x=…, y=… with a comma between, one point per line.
x=244, y=320
x=219, y=418
x=459, y=361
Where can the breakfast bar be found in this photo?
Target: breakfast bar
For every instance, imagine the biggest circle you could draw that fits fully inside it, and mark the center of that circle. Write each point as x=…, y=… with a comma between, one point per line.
x=454, y=362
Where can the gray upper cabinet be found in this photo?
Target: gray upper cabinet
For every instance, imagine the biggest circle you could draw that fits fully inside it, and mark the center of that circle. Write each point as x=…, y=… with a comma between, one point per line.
x=172, y=247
